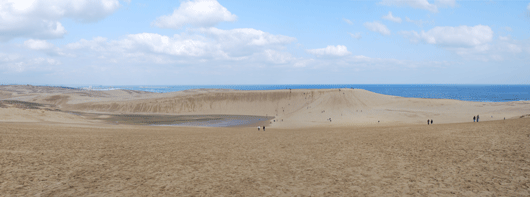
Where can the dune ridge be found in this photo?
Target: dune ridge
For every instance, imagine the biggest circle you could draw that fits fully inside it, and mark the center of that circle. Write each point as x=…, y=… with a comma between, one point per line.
x=290, y=108
x=301, y=108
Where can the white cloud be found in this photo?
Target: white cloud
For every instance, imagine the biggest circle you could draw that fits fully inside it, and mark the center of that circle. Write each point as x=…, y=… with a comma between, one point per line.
x=156, y=43
x=420, y=4
x=475, y=43
x=40, y=18
x=141, y=48
x=528, y=7
x=45, y=46
x=392, y=18
x=508, y=28
x=503, y=49
x=247, y=36
x=194, y=45
x=141, y=44
x=453, y=36
x=347, y=21
x=38, y=44
x=199, y=13
x=339, y=50
x=377, y=27
x=356, y=35
x=277, y=57
x=244, y=41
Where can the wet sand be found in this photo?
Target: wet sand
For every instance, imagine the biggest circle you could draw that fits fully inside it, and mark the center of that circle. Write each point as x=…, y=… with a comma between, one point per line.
x=179, y=120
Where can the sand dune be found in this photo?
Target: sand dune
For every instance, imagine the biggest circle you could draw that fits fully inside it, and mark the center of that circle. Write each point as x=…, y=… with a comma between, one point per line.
x=45, y=151
x=463, y=159
x=297, y=108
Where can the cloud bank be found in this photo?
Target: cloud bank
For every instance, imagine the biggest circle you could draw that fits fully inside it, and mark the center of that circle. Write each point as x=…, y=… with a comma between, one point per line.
x=39, y=19
x=193, y=46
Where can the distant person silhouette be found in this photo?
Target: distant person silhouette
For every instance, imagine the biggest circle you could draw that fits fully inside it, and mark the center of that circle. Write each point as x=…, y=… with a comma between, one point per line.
x=474, y=118
x=258, y=128
x=431, y=121
x=477, y=118
x=428, y=121
x=263, y=128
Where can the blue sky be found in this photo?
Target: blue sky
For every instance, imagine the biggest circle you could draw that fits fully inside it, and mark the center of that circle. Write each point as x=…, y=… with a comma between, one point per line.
x=112, y=42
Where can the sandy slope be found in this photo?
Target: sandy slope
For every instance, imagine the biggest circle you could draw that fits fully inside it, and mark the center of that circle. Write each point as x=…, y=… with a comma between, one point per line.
x=461, y=159
x=52, y=153
x=297, y=108
x=36, y=115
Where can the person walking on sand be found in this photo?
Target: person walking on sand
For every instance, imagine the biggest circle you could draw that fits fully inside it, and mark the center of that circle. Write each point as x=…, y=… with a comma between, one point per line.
x=258, y=128
x=263, y=128
x=474, y=118
x=431, y=121
x=477, y=118
x=428, y=121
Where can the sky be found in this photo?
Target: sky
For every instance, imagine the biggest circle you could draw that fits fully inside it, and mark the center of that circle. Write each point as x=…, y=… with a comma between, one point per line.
x=208, y=42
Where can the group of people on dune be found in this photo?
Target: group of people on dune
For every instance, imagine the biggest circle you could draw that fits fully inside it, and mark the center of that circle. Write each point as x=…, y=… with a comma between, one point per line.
x=260, y=127
x=475, y=118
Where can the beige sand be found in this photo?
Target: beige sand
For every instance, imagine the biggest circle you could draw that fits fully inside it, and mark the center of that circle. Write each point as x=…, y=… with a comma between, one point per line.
x=52, y=153
x=464, y=159
x=297, y=108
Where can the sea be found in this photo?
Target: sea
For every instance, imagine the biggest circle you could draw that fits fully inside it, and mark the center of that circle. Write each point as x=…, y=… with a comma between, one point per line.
x=480, y=93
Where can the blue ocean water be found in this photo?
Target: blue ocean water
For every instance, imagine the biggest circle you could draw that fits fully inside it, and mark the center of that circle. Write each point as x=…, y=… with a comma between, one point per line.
x=482, y=93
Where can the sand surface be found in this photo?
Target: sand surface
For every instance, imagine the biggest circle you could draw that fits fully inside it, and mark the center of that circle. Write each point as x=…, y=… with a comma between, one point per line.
x=297, y=108
x=467, y=159
x=47, y=150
